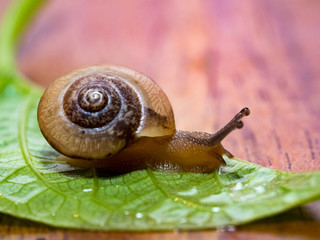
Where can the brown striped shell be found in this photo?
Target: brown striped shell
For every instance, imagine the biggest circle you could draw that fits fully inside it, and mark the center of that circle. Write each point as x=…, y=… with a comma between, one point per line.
x=95, y=112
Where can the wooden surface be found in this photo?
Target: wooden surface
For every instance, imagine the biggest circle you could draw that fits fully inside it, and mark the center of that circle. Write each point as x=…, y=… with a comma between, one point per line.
x=212, y=58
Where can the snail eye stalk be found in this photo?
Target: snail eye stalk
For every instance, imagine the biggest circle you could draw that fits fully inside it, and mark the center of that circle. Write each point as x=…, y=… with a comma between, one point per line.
x=234, y=123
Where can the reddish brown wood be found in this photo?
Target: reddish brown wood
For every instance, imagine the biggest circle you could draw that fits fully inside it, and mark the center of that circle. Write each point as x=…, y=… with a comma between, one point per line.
x=212, y=58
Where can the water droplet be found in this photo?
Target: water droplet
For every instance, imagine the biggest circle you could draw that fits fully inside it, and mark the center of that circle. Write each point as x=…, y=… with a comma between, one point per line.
x=238, y=186
x=87, y=190
x=215, y=209
x=126, y=213
x=219, y=199
x=191, y=192
x=139, y=215
x=260, y=189
x=226, y=228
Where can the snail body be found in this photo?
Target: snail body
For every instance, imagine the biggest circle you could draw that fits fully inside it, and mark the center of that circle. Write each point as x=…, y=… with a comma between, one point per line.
x=116, y=118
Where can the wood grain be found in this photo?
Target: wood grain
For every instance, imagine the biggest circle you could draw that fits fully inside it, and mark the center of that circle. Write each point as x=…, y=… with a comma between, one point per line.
x=211, y=57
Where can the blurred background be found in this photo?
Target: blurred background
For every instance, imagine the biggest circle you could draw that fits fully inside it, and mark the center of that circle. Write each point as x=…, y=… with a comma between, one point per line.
x=211, y=57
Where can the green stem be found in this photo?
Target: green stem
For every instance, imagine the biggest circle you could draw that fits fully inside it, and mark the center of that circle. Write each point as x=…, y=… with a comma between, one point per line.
x=13, y=23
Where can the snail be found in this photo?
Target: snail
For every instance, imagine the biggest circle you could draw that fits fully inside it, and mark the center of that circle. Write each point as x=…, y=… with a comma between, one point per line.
x=118, y=119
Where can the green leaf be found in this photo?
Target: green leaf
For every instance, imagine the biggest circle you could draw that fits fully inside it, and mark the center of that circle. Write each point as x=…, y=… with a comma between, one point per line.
x=33, y=185
x=12, y=24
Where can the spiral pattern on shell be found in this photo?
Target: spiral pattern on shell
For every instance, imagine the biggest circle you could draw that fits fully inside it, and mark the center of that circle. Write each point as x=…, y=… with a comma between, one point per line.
x=95, y=101
x=95, y=112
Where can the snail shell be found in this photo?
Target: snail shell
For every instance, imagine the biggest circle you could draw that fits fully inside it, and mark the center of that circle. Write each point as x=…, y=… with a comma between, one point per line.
x=95, y=112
